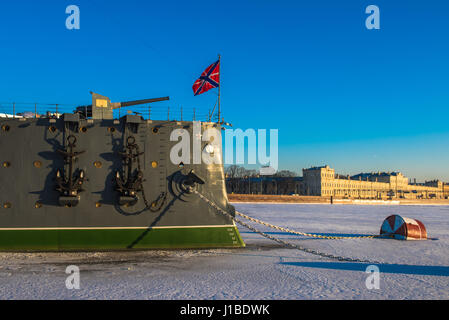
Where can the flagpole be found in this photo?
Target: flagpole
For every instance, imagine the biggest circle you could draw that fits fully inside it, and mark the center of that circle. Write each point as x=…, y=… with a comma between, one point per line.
x=219, y=89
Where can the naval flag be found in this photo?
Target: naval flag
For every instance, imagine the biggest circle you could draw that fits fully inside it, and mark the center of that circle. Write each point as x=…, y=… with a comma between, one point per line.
x=209, y=79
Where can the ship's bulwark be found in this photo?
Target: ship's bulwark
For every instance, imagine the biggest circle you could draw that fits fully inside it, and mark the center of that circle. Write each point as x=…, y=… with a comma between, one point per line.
x=35, y=215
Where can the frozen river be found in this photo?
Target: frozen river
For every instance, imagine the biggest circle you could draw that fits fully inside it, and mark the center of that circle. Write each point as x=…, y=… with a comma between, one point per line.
x=262, y=270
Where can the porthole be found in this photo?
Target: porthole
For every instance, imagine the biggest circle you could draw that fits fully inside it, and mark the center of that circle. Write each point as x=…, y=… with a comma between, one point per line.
x=83, y=129
x=155, y=130
x=209, y=149
x=98, y=164
x=154, y=164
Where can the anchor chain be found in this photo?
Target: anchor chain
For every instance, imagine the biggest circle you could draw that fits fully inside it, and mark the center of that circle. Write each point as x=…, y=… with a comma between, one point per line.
x=284, y=243
x=137, y=183
x=153, y=207
x=311, y=235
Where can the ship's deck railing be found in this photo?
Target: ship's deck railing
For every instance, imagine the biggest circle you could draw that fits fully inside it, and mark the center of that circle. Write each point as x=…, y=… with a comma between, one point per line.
x=36, y=110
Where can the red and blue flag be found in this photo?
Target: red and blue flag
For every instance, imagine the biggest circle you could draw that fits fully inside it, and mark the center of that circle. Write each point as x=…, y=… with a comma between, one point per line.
x=209, y=79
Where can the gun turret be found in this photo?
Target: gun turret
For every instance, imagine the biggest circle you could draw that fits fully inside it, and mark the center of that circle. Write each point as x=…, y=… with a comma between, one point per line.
x=102, y=107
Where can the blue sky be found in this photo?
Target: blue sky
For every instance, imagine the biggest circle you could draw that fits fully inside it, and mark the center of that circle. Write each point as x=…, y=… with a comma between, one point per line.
x=356, y=99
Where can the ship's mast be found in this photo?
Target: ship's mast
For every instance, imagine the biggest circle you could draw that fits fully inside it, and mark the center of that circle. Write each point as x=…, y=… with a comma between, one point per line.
x=219, y=89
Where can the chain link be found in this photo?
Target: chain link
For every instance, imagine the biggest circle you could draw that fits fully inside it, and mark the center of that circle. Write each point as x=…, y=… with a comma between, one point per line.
x=157, y=205
x=301, y=233
x=153, y=207
x=284, y=243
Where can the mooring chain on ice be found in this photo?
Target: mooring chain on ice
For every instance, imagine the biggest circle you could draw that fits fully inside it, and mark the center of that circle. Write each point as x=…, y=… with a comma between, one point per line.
x=301, y=233
x=285, y=243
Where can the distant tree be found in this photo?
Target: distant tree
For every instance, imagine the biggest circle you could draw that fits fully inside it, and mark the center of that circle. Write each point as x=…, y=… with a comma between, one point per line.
x=286, y=174
x=251, y=173
x=235, y=171
x=231, y=171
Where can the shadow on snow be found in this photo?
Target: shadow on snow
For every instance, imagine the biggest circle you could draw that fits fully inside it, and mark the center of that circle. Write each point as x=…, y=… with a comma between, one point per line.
x=383, y=268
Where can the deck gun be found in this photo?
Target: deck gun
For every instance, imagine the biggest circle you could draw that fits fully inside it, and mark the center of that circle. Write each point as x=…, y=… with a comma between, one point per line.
x=102, y=107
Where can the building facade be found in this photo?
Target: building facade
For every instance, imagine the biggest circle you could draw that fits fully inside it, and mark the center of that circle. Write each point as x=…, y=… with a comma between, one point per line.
x=446, y=190
x=323, y=181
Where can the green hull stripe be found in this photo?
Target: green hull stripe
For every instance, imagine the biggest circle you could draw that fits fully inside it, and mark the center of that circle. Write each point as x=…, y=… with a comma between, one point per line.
x=116, y=239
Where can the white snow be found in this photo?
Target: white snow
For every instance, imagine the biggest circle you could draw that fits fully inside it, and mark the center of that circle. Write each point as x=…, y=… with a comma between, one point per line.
x=262, y=270
x=5, y=115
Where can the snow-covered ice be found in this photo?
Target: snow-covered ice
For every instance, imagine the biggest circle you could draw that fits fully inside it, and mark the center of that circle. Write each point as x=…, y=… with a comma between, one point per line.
x=262, y=270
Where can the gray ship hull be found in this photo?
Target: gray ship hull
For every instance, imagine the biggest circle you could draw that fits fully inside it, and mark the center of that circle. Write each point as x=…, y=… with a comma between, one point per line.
x=37, y=215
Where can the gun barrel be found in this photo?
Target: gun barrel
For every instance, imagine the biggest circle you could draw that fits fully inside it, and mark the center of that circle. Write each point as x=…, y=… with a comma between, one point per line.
x=144, y=101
